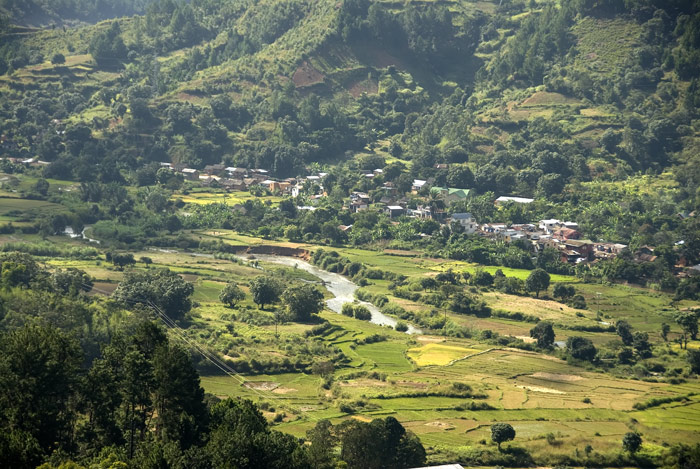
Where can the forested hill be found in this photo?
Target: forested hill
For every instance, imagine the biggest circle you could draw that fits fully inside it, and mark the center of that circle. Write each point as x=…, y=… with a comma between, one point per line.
x=529, y=98
x=57, y=12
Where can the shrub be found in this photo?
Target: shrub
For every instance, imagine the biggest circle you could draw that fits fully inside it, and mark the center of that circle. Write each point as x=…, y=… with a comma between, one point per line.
x=578, y=302
x=348, y=309
x=581, y=348
x=362, y=313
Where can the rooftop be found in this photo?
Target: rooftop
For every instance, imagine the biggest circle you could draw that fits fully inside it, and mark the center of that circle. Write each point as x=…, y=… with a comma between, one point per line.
x=517, y=200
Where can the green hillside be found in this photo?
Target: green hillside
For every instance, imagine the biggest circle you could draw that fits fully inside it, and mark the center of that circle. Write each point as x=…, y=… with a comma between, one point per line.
x=512, y=186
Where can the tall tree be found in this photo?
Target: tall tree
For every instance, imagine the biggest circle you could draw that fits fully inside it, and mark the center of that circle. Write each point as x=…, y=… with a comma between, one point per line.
x=631, y=442
x=303, y=301
x=624, y=330
x=537, y=281
x=240, y=437
x=380, y=444
x=543, y=332
x=502, y=432
x=323, y=441
x=179, y=399
x=688, y=320
x=581, y=348
x=38, y=383
x=162, y=289
x=265, y=290
x=231, y=295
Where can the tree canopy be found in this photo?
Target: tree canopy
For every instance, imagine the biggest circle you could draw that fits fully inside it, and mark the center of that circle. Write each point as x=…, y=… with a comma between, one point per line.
x=303, y=301
x=543, y=332
x=231, y=294
x=161, y=289
x=537, y=281
x=265, y=290
x=502, y=432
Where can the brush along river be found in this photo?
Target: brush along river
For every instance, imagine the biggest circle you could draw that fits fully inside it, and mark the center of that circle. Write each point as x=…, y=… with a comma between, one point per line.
x=343, y=289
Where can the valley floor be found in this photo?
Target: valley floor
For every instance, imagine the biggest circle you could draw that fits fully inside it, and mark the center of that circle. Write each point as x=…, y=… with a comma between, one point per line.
x=446, y=390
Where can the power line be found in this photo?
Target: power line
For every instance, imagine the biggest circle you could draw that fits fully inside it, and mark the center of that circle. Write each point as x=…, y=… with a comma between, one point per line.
x=211, y=357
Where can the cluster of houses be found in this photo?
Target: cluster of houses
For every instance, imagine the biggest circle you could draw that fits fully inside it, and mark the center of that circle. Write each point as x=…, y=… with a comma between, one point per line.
x=561, y=235
x=564, y=236
x=240, y=179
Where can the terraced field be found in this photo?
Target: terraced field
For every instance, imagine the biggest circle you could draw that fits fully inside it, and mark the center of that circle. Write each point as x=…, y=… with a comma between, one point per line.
x=446, y=390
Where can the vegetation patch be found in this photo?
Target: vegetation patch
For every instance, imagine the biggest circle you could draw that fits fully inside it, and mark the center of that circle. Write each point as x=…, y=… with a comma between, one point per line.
x=438, y=354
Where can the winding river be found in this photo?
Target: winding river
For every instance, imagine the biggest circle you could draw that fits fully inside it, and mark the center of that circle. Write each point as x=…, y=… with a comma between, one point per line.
x=343, y=290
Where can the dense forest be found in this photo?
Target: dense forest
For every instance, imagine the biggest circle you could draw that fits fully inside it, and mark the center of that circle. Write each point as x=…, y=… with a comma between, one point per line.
x=588, y=107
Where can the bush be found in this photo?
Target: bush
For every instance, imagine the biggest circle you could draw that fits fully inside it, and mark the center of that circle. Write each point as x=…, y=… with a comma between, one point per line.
x=319, y=329
x=395, y=310
x=578, y=302
x=362, y=313
x=401, y=326
x=581, y=348
x=348, y=309
x=481, y=278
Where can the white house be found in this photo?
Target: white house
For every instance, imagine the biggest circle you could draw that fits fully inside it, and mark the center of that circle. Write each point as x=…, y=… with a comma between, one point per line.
x=466, y=220
x=550, y=225
x=417, y=185
x=394, y=211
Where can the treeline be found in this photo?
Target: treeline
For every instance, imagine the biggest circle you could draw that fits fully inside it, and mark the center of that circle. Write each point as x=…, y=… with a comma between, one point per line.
x=53, y=12
x=84, y=380
x=140, y=404
x=428, y=31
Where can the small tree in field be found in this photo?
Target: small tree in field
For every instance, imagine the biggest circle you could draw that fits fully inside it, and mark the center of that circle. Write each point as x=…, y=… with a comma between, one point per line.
x=362, y=313
x=303, y=301
x=231, y=295
x=265, y=290
x=501, y=432
x=563, y=291
x=58, y=59
x=537, y=281
x=694, y=360
x=543, y=333
x=631, y=442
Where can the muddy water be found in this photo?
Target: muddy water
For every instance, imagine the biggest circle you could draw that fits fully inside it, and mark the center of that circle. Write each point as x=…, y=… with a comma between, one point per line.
x=342, y=289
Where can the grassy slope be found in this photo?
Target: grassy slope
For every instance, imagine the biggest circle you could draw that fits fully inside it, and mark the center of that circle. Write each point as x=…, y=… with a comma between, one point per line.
x=537, y=393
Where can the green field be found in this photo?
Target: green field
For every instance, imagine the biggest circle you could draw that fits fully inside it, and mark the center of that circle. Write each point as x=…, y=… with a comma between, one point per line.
x=420, y=379
x=228, y=198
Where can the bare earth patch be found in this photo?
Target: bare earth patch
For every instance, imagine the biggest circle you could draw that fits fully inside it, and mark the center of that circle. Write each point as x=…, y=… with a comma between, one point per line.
x=540, y=389
x=426, y=338
x=412, y=384
x=401, y=252
x=556, y=376
x=262, y=385
x=441, y=425
x=544, y=98
x=363, y=383
x=363, y=86
x=362, y=418
x=307, y=75
x=282, y=390
x=526, y=339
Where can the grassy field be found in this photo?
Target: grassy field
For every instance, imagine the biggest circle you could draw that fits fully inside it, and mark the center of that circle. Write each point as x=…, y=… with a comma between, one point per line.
x=438, y=354
x=446, y=390
x=228, y=198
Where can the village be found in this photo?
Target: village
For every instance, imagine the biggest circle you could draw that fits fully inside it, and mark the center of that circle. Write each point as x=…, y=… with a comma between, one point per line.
x=550, y=233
